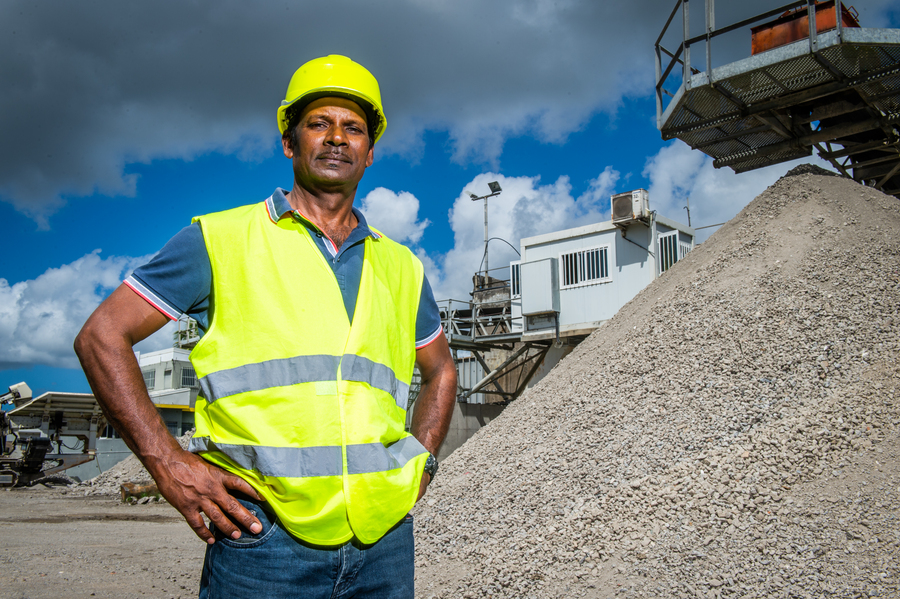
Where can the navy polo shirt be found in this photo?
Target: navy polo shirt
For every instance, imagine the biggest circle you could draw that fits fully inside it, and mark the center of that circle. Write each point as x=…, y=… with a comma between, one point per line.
x=178, y=280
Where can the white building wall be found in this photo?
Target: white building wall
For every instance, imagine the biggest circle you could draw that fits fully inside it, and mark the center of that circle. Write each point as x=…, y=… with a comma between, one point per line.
x=631, y=268
x=595, y=302
x=634, y=266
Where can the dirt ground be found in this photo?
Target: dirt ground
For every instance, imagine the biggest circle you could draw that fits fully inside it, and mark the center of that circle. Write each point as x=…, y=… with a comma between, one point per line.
x=733, y=432
x=57, y=546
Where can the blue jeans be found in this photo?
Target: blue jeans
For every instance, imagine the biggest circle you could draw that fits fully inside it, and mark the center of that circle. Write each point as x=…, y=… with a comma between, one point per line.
x=275, y=565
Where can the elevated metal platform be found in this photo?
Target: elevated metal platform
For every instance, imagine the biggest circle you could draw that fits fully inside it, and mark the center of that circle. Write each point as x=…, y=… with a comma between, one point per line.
x=470, y=325
x=837, y=91
x=482, y=327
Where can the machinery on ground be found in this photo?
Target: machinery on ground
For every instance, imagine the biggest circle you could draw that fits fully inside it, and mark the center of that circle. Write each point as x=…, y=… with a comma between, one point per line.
x=29, y=428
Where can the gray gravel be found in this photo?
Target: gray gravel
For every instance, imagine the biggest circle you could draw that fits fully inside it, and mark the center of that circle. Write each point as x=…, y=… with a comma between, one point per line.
x=733, y=432
x=129, y=470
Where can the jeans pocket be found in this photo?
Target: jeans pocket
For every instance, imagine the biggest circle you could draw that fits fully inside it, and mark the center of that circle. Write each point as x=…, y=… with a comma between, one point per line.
x=249, y=539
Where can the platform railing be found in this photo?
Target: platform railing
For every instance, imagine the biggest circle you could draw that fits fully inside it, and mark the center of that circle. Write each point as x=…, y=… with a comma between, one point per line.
x=473, y=319
x=682, y=55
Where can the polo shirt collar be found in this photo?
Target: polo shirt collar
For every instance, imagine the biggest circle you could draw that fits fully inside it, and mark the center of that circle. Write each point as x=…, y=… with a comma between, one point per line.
x=278, y=207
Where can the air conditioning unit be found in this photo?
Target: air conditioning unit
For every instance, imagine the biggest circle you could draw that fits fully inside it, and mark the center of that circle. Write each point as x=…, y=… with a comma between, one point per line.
x=631, y=205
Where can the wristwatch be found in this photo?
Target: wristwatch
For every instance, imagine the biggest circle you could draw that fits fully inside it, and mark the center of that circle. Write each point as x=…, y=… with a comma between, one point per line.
x=431, y=466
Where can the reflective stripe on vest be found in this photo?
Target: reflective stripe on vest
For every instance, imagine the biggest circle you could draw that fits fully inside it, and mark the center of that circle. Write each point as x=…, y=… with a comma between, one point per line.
x=295, y=462
x=307, y=408
x=302, y=369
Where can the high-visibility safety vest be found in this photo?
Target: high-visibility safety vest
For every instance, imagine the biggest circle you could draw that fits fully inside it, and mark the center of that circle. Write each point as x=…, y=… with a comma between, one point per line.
x=307, y=408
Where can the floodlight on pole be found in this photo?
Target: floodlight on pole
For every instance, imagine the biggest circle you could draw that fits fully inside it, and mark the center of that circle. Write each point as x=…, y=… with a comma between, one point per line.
x=495, y=190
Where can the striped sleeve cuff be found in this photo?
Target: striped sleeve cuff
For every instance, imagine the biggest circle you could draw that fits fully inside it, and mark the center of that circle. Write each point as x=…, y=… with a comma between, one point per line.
x=152, y=298
x=430, y=339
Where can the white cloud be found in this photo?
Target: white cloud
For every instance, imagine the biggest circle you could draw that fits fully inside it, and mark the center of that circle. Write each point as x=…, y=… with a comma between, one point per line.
x=601, y=188
x=39, y=318
x=161, y=339
x=90, y=88
x=525, y=208
x=677, y=173
x=194, y=78
x=394, y=214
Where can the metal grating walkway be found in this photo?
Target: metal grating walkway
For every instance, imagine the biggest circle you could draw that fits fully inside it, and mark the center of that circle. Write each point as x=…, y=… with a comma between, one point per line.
x=838, y=93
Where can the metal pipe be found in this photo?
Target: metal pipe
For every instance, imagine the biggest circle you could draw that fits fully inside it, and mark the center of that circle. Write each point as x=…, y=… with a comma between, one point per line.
x=892, y=172
x=675, y=60
x=486, y=267
x=750, y=21
x=686, y=77
x=486, y=369
x=652, y=243
x=538, y=360
x=708, y=226
x=813, y=30
x=710, y=27
x=488, y=379
x=659, y=102
x=668, y=22
x=838, y=17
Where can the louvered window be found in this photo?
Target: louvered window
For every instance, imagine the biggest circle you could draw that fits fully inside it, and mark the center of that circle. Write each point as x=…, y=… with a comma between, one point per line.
x=149, y=379
x=584, y=267
x=515, y=279
x=188, y=377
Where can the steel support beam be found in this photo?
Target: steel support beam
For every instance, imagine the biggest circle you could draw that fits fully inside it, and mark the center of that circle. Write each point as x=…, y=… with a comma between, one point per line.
x=492, y=376
x=830, y=134
x=850, y=150
x=886, y=178
x=801, y=97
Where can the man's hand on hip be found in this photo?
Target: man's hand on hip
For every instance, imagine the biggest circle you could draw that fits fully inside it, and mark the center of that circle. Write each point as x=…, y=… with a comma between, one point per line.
x=194, y=486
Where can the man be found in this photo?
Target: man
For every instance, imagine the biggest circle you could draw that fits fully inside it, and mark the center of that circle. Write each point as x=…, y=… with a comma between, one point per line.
x=312, y=325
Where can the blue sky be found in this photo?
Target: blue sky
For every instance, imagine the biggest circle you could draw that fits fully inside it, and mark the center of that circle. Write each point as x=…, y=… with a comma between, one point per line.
x=122, y=122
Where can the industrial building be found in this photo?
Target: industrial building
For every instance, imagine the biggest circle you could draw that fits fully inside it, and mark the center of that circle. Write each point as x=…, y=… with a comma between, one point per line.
x=568, y=283
x=524, y=318
x=172, y=385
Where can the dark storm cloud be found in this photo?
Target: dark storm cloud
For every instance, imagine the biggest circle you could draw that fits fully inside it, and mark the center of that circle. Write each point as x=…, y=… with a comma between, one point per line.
x=90, y=87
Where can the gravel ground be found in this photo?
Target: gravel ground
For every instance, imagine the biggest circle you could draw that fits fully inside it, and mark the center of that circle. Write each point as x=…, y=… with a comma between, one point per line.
x=734, y=431
x=57, y=546
x=129, y=470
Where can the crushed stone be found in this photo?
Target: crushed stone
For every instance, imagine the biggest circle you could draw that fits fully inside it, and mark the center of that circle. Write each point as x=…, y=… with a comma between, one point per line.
x=810, y=169
x=734, y=431
x=129, y=470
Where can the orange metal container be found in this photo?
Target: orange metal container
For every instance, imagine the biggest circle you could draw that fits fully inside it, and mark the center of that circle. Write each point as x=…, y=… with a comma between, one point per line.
x=794, y=25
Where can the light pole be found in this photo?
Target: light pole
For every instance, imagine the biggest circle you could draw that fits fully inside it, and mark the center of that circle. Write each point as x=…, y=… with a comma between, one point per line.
x=495, y=190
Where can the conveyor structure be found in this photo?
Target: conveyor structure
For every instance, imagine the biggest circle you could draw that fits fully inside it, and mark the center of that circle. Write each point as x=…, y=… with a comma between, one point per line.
x=836, y=90
x=30, y=426
x=482, y=327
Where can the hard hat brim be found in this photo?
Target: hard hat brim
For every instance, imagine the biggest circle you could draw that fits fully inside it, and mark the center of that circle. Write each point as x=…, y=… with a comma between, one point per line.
x=368, y=106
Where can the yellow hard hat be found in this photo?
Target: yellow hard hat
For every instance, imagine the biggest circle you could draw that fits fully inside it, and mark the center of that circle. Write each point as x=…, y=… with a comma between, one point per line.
x=339, y=76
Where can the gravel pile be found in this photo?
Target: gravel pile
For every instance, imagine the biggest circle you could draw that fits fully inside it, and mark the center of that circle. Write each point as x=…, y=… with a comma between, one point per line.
x=733, y=432
x=129, y=470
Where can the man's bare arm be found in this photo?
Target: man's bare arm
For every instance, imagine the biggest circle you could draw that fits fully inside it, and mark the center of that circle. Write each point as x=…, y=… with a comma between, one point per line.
x=189, y=483
x=434, y=407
